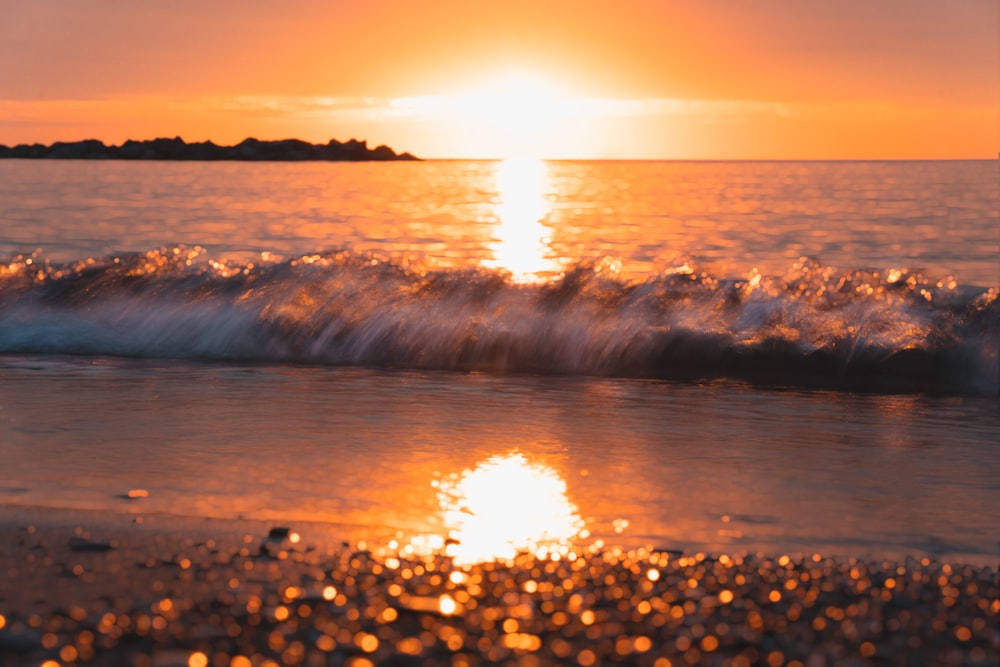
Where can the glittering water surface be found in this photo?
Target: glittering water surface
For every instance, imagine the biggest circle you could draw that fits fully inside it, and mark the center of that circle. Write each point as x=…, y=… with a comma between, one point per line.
x=527, y=216
x=505, y=505
x=472, y=354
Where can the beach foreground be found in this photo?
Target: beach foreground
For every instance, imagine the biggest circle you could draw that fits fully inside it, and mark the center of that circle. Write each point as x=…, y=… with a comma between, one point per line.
x=117, y=590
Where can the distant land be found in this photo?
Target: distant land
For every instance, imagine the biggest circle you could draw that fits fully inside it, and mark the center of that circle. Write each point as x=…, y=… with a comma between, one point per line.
x=249, y=150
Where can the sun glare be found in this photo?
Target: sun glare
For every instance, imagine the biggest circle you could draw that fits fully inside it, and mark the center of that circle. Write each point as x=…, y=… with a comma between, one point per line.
x=520, y=240
x=506, y=505
x=516, y=110
x=520, y=106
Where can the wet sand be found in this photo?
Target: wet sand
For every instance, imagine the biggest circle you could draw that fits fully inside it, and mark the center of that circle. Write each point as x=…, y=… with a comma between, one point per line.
x=104, y=589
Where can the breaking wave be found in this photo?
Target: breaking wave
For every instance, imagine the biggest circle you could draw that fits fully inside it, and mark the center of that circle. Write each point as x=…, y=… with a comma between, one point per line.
x=892, y=330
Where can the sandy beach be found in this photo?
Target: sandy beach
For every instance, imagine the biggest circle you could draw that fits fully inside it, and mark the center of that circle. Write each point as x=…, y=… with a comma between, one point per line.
x=114, y=589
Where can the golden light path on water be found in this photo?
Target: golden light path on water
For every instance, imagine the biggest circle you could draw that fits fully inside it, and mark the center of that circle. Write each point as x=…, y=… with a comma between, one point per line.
x=503, y=506
x=520, y=240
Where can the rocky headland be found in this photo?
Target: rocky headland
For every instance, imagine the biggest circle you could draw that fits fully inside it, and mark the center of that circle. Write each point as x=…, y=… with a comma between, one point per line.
x=250, y=149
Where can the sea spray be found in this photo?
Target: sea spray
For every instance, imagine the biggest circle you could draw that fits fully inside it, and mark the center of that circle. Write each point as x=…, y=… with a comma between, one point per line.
x=891, y=330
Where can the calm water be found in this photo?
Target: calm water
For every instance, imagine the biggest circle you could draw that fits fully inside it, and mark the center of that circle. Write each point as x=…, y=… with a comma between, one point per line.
x=724, y=217
x=739, y=356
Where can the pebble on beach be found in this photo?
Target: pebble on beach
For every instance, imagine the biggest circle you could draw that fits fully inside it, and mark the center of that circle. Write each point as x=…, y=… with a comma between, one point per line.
x=168, y=599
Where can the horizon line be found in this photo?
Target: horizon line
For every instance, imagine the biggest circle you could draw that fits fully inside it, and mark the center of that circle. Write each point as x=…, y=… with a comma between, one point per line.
x=494, y=158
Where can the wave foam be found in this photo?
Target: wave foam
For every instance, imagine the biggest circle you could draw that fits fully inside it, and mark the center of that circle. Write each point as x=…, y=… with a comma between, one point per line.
x=883, y=331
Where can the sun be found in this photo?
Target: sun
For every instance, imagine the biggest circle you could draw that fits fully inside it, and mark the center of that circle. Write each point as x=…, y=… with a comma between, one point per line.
x=523, y=110
x=518, y=111
x=520, y=105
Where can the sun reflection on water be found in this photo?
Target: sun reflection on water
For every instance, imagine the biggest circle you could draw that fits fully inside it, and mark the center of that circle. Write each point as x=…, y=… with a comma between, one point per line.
x=506, y=505
x=520, y=240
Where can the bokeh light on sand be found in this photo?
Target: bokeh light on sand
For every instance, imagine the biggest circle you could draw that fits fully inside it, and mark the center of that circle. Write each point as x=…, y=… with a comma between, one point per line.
x=506, y=505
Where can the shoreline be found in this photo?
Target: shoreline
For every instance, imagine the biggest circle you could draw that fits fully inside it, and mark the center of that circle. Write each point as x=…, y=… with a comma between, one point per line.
x=132, y=515
x=97, y=588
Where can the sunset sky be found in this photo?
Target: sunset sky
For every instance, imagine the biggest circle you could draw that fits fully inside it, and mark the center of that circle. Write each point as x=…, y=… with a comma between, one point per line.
x=460, y=78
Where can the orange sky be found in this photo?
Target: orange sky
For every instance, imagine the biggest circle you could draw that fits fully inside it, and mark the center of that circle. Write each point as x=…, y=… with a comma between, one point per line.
x=460, y=78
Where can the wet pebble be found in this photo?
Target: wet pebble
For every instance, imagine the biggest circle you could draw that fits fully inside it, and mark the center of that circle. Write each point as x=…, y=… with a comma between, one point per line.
x=218, y=602
x=84, y=544
x=279, y=533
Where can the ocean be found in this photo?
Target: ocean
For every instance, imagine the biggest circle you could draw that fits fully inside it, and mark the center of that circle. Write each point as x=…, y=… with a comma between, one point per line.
x=492, y=356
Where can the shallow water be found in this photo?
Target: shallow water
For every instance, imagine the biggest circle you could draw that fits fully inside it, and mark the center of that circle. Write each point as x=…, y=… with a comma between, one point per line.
x=335, y=342
x=718, y=466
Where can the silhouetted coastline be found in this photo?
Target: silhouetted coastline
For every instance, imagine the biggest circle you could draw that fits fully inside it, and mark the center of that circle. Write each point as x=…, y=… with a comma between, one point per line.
x=249, y=150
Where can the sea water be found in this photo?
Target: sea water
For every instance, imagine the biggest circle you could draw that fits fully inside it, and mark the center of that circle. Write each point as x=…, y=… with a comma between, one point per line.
x=722, y=356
